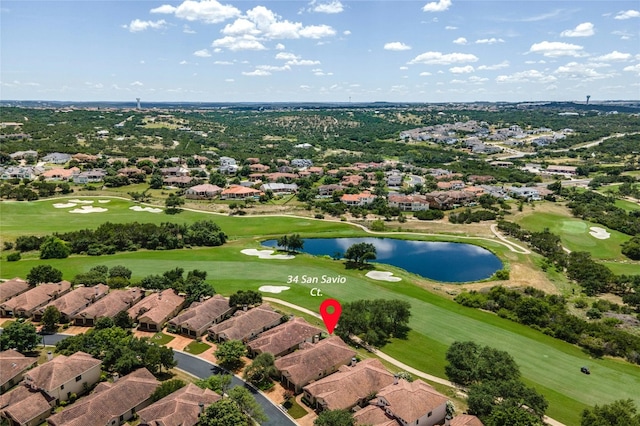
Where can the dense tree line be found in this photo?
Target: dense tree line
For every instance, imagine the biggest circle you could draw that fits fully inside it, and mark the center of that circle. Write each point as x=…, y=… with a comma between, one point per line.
x=472, y=216
x=549, y=314
x=598, y=208
x=374, y=321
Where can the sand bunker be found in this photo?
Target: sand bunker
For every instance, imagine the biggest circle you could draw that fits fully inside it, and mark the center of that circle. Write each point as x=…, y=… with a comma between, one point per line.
x=382, y=276
x=64, y=205
x=266, y=254
x=81, y=201
x=104, y=201
x=599, y=233
x=145, y=209
x=88, y=209
x=276, y=289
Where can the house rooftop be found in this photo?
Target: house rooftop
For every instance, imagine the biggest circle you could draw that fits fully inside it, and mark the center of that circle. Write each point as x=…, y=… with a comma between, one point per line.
x=76, y=300
x=59, y=370
x=466, y=420
x=13, y=363
x=285, y=336
x=201, y=313
x=410, y=401
x=373, y=416
x=114, y=302
x=36, y=296
x=245, y=323
x=157, y=306
x=180, y=408
x=23, y=406
x=12, y=288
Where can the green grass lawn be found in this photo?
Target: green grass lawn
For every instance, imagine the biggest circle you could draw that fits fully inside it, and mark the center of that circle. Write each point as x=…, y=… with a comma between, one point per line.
x=196, y=348
x=294, y=409
x=161, y=338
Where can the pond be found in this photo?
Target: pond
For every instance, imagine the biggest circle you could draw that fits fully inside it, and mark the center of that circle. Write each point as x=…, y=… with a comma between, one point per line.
x=438, y=261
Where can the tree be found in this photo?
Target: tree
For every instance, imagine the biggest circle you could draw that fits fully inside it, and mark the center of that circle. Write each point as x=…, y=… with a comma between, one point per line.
x=167, y=388
x=224, y=413
x=470, y=363
x=334, y=418
x=242, y=298
x=261, y=370
x=229, y=354
x=197, y=288
x=156, y=181
x=296, y=243
x=374, y=321
x=173, y=203
x=19, y=335
x=43, y=274
x=219, y=383
x=359, y=253
x=247, y=403
x=618, y=413
x=123, y=320
x=120, y=271
x=54, y=248
x=50, y=318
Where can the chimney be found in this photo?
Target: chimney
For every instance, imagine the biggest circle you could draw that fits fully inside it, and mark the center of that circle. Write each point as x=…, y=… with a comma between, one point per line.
x=245, y=307
x=49, y=356
x=447, y=420
x=201, y=411
x=353, y=361
x=395, y=379
x=116, y=376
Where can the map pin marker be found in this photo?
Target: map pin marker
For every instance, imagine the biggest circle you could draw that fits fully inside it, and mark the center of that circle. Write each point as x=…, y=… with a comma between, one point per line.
x=330, y=318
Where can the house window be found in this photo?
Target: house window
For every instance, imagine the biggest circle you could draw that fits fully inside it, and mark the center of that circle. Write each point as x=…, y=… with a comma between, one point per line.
x=429, y=414
x=78, y=378
x=61, y=387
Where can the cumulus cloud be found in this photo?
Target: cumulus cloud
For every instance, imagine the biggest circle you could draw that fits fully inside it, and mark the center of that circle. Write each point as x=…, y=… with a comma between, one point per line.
x=437, y=6
x=492, y=40
x=633, y=68
x=425, y=74
x=575, y=70
x=256, y=73
x=396, y=46
x=628, y=14
x=317, y=31
x=475, y=79
x=331, y=8
x=136, y=83
x=202, y=53
x=246, y=42
x=503, y=64
x=462, y=70
x=280, y=46
x=138, y=25
x=582, y=30
x=613, y=56
x=526, y=76
x=556, y=48
x=286, y=56
x=460, y=40
x=207, y=11
x=439, y=58
x=450, y=27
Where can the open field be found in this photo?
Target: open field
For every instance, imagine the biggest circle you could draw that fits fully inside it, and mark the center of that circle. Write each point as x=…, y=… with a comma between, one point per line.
x=548, y=364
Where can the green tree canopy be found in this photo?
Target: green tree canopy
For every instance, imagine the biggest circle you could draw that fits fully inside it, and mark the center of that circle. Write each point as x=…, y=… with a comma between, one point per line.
x=359, y=253
x=167, y=388
x=261, y=370
x=229, y=354
x=224, y=413
x=622, y=412
x=247, y=403
x=54, y=248
x=43, y=274
x=334, y=418
x=19, y=335
x=50, y=318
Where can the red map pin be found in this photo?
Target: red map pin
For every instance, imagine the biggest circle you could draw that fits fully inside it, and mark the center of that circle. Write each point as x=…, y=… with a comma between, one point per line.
x=330, y=311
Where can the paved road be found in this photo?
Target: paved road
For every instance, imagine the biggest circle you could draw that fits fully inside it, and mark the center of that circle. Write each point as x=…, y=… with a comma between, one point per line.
x=203, y=369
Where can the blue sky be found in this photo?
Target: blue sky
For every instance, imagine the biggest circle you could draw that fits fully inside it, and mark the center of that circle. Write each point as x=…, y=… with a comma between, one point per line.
x=319, y=50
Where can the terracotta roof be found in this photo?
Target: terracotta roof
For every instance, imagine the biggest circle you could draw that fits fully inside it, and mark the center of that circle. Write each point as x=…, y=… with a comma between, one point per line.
x=108, y=401
x=349, y=385
x=62, y=173
x=201, y=314
x=36, y=296
x=23, y=405
x=76, y=300
x=114, y=302
x=205, y=187
x=12, y=363
x=409, y=400
x=373, y=416
x=314, y=360
x=156, y=307
x=284, y=337
x=181, y=408
x=466, y=420
x=12, y=288
x=240, y=190
x=59, y=370
x=243, y=324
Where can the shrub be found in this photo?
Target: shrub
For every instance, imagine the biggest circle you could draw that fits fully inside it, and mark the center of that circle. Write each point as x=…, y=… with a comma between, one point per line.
x=13, y=257
x=502, y=274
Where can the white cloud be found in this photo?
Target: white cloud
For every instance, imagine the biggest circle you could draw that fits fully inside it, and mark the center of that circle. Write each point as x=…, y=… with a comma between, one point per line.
x=303, y=62
x=556, y=48
x=613, y=56
x=187, y=30
x=223, y=63
x=449, y=27
x=628, y=14
x=202, y=53
x=138, y=25
x=492, y=40
x=256, y=73
x=317, y=31
x=526, y=76
x=396, y=46
x=460, y=40
x=240, y=27
x=273, y=68
x=333, y=7
x=425, y=74
x=503, y=64
x=246, y=42
x=230, y=80
x=575, y=70
x=404, y=68
x=439, y=6
x=208, y=11
x=440, y=58
x=286, y=56
x=476, y=79
x=633, y=68
x=346, y=32
x=582, y=30
x=279, y=46
x=136, y=83
x=183, y=62
x=461, y=70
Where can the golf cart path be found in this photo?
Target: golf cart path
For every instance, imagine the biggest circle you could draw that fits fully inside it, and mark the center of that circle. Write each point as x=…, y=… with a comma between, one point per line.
x=394, y=361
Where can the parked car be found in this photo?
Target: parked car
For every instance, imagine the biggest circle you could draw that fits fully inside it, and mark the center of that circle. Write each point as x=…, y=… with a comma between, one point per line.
x=585, y=370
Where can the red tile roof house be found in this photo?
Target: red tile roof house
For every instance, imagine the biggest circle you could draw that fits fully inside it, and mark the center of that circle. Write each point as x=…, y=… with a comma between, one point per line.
x=109, y=306
x=110, y=403
x=12, y=367
x=195, y=321
x=203, y=192
x=152, y=312
x=285, y=338
x=464, y=420
x=373, y=416
x=24, y=304
x=245, y=325
x=73, y=302
x=358, y=199
x=12, y=288
x=313, y=362
x=349, y=386
x=409, y=203
x=24, y=408
x=412, y=403
x=182, y=407
x=239, y=192
x=64, y=375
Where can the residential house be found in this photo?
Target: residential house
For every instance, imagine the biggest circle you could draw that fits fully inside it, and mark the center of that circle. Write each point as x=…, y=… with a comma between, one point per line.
x=20, y=172
x=408, y=203
x=13, y=365
x=109, y=306
x=259, y=168
x=85, y=158
x=526, y=192
x=349, y=386
x=21, y=155
x=239, y=192
x=501, y=164
x=464, y=420
x=73, y=302
x=412, y=403
x=179, y=181
x=394, y=178
x=562, y=170
x=174, y=171
x=56, y=158
x=203, y=192
x=285, y=338
x=24, y=304
x=182, y=407
x=245, y=325
x=152, y=312
x=360, y=199
x=110, y=403
x=450, y=185
x=351, y=180
x=481, y=178
x=328, y=190
x=252, y=160
x=195, y=321
x=301, y=162
x=316, y=170
x=280, y=177
x=90, y=176
x=60, y=174
x=313, y=362
x=129, y=171
x=228, y=165
x=443, y=200
x=63, y=375
x=22, y=407
x=373, y=416
x=12, y=288
x=279, y=188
